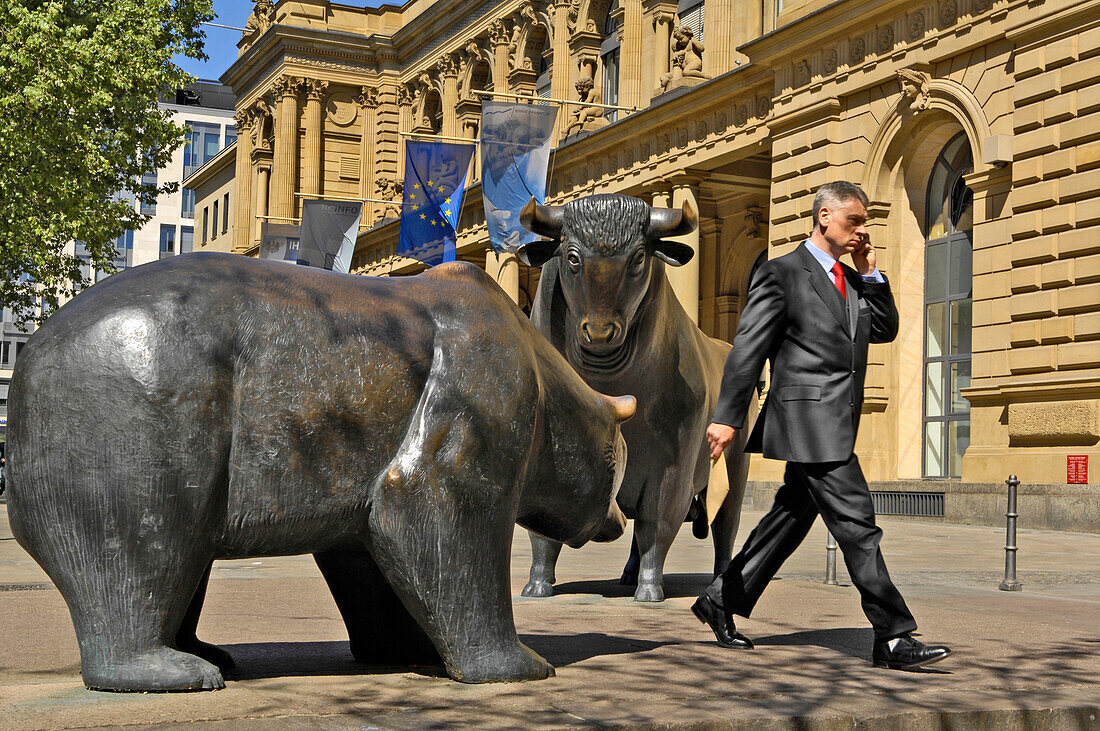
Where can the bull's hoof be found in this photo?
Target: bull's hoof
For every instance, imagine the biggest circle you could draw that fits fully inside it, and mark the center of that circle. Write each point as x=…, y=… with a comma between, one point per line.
x=503, y=666
x=649, y=593
x=538, y=589
x=159, y=670
x=210, y=653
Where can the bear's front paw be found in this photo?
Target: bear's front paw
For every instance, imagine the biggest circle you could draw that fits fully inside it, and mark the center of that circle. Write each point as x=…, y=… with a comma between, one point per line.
x=506, y=665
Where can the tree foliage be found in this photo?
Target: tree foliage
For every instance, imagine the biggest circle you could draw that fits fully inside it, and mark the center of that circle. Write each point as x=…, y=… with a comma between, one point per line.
x=79, y=126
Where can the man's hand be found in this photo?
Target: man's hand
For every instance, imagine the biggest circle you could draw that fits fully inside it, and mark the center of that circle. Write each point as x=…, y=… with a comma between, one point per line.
x=863, y=258
x=719, y=436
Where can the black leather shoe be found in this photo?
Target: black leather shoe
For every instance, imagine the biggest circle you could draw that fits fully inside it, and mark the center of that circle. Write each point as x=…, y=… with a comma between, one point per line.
x=721, y=622
x=907, y=654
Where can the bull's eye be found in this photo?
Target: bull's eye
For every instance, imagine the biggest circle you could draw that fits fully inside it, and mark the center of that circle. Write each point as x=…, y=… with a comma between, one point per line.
x=637, y=262
x=574, y=259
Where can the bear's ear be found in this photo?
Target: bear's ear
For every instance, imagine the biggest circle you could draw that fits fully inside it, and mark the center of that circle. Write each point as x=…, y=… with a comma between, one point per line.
x=537, y=253
x=672, y=252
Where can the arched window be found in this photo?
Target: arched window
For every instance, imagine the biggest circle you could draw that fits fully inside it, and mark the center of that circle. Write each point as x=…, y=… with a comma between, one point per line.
x=948, y=273
x=609, y=58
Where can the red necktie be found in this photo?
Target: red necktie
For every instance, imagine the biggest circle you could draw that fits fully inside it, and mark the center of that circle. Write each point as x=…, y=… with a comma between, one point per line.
x=838, y=280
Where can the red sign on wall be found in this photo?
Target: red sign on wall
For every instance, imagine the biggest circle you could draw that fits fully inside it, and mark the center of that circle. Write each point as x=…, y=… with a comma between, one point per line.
x=1077, y=469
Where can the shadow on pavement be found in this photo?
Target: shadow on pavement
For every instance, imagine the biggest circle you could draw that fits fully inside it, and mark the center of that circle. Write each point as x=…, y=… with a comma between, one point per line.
x=563, y=650
x=676, y=585
x=285, y=659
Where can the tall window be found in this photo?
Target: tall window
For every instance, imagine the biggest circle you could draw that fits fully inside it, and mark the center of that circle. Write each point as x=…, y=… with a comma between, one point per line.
x=230, y=134
x=187, y=208
x=691, y=13
x=203, y=143
x=948, y=271
x=167, y=240
x=609, y=57
x=149, y=208
x=225, y=214
x=205, y=220
x=187, y=239
x=214, y=223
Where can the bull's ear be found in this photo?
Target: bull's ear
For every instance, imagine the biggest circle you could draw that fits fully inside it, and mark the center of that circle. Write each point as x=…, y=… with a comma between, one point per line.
x=537, y=253
x=672, y=252
x=542, y=220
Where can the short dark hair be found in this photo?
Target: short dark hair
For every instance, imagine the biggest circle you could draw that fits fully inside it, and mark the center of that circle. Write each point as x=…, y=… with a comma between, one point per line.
x=832, y=195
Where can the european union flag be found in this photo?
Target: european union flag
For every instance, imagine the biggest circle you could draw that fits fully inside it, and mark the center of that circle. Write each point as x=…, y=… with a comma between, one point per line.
x=435, y=181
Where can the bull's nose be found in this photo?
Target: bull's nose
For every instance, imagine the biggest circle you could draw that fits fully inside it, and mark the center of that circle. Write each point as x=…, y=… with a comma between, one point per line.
x=599, y=331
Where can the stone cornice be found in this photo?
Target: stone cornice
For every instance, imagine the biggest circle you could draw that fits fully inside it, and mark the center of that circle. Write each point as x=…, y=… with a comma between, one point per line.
x=1017, y=389
x=1052, y=24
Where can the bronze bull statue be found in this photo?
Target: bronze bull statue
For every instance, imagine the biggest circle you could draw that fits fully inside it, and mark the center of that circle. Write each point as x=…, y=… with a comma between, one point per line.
x=605, y=302
x=213, y=406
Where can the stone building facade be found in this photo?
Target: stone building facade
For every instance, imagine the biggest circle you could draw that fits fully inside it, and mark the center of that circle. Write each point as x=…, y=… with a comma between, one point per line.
x=973, y=125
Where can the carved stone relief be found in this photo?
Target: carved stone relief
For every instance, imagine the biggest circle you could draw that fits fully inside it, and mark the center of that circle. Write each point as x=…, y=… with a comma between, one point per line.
x=914, y=86
x=830, y=61
x=858, y=50
x=949, y=12
x=916, y=26
x=341, y=109
x=885, y=38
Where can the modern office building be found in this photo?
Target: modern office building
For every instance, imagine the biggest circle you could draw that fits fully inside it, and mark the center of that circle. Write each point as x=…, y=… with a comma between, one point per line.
x=973, y=125
x=206, y=108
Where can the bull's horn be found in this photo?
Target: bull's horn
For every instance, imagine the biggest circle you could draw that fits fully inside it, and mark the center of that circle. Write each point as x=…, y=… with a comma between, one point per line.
x=623, y=406
x=671, y=222
x=540, y=219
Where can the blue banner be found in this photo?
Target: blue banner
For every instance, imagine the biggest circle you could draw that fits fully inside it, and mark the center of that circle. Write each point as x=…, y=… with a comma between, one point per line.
x=515, y=155
x=435, y=181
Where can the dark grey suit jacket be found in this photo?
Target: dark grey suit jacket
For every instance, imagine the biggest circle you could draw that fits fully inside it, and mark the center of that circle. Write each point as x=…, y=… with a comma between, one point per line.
x=817, y=344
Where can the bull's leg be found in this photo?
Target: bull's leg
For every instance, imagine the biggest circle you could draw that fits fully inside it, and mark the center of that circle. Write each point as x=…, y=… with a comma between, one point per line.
x=655, y=527
x=630, y=571
x=544, y=559
x=728, y=518
x=381, y=630
x=187, y=641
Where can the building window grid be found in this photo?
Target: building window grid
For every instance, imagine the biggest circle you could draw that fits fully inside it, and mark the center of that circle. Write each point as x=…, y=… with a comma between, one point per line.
x=946, y=424
x=214, y=221
x=167, y=240
x=225, y=214
x=609, y=60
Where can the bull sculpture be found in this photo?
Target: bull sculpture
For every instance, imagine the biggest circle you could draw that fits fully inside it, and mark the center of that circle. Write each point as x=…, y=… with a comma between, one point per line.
x=214, y=406
x=605, y=302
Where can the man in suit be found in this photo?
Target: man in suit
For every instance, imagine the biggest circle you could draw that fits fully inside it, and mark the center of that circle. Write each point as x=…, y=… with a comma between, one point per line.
x=813, y=318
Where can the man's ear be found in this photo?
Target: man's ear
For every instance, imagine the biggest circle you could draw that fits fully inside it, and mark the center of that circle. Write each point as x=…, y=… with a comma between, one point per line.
x=537, y=253
x=672, y=252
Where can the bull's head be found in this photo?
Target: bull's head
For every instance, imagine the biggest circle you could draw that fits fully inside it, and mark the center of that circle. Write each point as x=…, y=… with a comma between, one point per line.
x=606, y=245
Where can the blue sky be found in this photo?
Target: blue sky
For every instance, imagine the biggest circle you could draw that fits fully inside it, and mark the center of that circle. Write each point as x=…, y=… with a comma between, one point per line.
x=221, y=43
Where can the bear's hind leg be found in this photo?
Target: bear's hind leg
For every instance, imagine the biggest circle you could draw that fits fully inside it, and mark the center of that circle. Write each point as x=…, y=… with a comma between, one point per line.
x=381, y=630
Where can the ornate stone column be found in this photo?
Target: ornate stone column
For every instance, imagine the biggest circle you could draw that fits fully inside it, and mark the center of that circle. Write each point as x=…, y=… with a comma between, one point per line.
x=242, y=178
x=311, y=149
x=685, y=279
x=404, y=125
x=259, y=202
x=504, y=269
x=285, y=166
x=368, y=141
x=498, y=41
x=448, y=74
x=632, y=76
x=561, y=77
x=729, y=24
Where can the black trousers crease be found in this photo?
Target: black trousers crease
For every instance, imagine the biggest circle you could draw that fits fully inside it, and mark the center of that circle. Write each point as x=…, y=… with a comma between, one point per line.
x=839, y=493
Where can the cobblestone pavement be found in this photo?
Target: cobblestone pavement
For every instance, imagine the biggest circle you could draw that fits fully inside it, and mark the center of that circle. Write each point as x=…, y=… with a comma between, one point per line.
x=1028, y=659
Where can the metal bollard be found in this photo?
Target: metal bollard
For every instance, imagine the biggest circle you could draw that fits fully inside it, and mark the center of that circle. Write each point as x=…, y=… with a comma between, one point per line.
x=830, y=559
x=1010, y=583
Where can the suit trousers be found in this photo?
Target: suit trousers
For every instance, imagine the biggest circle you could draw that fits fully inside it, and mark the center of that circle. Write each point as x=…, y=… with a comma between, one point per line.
x=839, y=493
